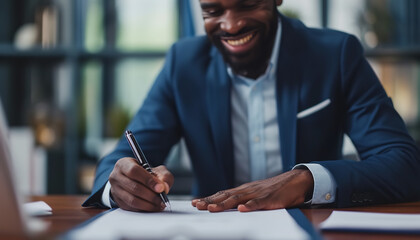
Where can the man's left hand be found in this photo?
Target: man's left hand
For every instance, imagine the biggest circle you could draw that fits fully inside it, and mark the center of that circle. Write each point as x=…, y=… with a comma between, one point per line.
x=286, y=190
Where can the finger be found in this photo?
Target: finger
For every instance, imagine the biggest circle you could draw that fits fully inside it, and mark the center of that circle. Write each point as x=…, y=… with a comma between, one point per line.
x=165, y=176
x=203, y=203
x=195, y=201
x=271, y=202
x=136, y=189
x=131, y=169
x=264, y=203
x=200, y=204
x=130, y=202
x=231, y=202
x=243, y=208
x=252, y=205
x=167, y=188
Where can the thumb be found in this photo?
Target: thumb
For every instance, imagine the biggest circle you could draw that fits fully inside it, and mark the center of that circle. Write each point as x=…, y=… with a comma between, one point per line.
x=164, y=176
x=167, y=188
x=161, y=185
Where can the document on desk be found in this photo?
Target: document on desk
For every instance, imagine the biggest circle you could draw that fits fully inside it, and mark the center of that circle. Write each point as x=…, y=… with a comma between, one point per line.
x=186, y=222
x=375, y=222
x=38, y=208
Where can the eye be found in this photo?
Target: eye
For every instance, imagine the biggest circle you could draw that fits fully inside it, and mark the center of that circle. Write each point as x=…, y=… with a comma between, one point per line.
x=249, y=5
x=211, y=12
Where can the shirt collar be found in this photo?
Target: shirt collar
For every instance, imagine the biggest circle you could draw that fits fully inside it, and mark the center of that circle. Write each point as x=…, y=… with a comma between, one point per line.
x=272, y=66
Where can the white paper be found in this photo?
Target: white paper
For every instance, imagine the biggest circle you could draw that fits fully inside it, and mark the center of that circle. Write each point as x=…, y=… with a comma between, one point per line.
x=186, y=222
x=347, y=220
x=39, y=208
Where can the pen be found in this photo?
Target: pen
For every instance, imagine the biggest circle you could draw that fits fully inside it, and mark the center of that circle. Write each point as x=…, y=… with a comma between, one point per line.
x=141, y=159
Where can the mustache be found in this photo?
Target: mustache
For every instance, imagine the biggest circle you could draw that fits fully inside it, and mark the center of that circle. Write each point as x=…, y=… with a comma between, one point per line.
x=223, y=34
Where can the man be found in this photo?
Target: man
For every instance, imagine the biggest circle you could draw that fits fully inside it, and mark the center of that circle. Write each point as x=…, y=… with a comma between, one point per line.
x=263, y=103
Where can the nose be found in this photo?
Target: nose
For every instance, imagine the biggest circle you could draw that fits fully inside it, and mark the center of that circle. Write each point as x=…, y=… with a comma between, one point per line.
x=231, y=22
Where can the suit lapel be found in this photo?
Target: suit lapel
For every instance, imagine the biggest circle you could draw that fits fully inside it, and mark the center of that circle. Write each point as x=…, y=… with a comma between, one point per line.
x=288, y=84
x=218, y=105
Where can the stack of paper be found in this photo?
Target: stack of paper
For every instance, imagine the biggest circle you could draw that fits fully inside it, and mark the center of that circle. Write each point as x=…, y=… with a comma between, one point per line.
x=39, y=208
x=364, y=221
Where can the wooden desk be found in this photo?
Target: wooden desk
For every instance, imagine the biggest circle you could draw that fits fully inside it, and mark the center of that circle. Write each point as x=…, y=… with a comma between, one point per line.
x=68, y=213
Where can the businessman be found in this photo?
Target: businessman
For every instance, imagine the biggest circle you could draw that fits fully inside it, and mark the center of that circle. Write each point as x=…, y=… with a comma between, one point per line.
x=263, y=102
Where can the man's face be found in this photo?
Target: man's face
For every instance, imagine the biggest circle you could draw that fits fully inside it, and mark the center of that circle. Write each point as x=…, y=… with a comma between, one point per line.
x=243, y=31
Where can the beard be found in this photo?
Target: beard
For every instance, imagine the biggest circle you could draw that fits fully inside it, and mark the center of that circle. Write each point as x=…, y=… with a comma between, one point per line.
x=254, y=60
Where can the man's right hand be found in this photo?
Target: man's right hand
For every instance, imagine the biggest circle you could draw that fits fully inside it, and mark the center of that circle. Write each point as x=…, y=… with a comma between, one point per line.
x=135, y=189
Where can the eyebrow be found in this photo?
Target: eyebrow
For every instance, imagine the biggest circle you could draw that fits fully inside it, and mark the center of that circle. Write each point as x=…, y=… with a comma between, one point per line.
x=255, y=1
x=209, y=5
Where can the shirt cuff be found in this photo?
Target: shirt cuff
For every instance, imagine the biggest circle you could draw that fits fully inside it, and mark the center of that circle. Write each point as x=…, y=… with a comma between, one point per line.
x=324, y=183
x=106, y=195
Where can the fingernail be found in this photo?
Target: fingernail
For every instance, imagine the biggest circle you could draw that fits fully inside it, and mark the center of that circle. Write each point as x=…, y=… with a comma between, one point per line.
x=159, y=188
x=166, y=188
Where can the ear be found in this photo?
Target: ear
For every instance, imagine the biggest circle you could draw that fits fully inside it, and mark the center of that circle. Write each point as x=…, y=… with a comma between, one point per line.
x=279, y=2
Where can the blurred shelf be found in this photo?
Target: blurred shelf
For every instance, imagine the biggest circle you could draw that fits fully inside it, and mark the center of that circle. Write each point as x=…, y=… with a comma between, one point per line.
x=394, y=53
x=114, y=53
x=8, y=52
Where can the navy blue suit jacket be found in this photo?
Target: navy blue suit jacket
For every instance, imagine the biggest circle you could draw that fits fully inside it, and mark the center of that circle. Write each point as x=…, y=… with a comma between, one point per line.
x=191, y=99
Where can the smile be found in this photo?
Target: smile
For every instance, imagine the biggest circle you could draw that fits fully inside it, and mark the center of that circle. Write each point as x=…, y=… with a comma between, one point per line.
x=241, y=41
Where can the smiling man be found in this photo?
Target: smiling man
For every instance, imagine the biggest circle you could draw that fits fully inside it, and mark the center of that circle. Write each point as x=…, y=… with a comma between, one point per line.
x=263, y=103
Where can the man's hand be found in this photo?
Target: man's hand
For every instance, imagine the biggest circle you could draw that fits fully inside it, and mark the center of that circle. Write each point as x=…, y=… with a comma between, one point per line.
x=285, y=190
x=135, y=189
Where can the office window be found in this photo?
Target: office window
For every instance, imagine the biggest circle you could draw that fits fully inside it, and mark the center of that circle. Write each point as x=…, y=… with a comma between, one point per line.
x=91, y=107
x=378, y=23
x=134, y=78
x=94, y=30
x=309, y=12
x=146, y=25
x=136, y=35
x=345, y=15
x=390, y=32
x=83, y=88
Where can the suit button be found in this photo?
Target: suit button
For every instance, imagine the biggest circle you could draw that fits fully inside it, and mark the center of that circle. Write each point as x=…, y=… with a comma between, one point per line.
x=327, y=196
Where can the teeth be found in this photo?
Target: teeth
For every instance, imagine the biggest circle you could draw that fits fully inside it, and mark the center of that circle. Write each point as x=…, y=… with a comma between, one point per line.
x=240, y=41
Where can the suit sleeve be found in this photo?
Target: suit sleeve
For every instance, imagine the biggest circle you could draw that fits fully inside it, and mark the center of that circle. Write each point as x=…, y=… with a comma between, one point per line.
x=155, y=126
x=389, y=170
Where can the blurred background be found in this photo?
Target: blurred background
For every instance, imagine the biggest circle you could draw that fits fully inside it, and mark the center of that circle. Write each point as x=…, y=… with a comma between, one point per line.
x=74, y=72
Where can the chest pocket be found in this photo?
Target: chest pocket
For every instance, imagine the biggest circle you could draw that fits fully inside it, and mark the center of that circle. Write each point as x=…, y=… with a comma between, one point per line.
x=314, y=109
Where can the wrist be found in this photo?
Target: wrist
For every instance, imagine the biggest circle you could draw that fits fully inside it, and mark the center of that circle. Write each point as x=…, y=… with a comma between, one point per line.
x=111, y=201
x=307, y=182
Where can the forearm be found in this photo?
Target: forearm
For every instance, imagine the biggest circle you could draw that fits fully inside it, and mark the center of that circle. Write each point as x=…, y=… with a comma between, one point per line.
x=384, y=178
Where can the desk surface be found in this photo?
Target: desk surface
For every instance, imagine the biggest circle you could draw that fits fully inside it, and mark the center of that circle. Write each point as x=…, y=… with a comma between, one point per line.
x=67, y=213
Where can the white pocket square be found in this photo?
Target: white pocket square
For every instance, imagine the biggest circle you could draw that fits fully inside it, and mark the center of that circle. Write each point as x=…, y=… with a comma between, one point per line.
x=314, y=109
